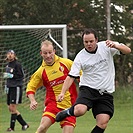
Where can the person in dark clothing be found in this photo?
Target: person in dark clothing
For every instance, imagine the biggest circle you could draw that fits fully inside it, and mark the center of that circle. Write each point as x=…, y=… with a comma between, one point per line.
x=14, y=81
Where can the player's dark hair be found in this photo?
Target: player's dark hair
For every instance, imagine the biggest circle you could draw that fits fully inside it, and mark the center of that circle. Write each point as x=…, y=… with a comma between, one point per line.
x=90, y=31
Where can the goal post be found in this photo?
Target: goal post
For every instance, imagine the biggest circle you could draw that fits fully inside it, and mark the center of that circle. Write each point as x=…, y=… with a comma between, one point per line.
x=25, y=40
x=23, y=27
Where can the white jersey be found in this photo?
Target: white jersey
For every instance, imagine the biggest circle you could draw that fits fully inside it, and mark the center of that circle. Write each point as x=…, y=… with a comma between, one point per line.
x=98, y=68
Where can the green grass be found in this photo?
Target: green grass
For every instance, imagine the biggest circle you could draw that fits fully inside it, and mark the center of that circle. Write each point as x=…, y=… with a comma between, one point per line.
x=122, y=121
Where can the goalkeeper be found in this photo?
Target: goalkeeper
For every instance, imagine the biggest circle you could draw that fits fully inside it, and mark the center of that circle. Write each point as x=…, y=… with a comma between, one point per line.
x=52, y=74
x=13, y=88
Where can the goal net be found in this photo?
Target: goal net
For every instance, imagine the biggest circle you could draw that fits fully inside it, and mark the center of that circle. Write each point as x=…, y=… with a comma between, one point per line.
x=25, y=40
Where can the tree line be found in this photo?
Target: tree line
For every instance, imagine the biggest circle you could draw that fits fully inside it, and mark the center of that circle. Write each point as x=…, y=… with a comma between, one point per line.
x=78, y=15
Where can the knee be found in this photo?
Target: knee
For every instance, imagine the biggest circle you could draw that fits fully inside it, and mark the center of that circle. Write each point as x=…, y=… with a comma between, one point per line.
x=80, y=110
x=103, y=125
x=102, y=120
x=12, y=109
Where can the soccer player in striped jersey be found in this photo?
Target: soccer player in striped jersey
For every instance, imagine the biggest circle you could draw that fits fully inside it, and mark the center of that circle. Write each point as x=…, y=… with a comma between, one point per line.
x=97, y=80
x=51, y=74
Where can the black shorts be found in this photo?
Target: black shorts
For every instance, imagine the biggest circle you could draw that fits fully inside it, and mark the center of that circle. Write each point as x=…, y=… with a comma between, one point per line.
x=14, y=95
x=99, y=103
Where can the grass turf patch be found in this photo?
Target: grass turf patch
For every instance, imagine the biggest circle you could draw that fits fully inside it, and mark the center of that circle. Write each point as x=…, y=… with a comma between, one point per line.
x=122, y=120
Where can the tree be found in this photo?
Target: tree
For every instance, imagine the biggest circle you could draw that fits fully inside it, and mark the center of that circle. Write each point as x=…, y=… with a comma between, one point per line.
x=77, y=15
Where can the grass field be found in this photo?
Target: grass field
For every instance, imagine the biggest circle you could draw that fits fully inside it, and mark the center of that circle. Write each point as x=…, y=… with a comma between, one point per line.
x=122, y=121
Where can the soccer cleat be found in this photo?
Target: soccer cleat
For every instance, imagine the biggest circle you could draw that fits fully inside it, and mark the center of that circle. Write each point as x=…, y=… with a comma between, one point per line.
x=9, y=130
x=25, y=127
x=61, y=115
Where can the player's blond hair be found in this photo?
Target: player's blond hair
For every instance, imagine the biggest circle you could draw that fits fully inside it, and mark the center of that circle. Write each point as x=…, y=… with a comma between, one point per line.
x=47, y=43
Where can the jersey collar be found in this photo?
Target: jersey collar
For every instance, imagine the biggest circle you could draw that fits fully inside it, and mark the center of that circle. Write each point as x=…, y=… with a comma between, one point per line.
x=55, y=59
x=92, y=52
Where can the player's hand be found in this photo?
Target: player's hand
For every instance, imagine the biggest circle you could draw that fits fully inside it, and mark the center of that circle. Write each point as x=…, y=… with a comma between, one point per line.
x=33, y=105
x=60, y=97
x=110, y=43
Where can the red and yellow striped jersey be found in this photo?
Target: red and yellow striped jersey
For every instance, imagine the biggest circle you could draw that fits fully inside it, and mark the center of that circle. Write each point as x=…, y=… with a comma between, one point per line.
x=52, y=77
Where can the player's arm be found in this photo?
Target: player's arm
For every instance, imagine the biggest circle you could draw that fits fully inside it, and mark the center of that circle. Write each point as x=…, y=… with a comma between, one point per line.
x=33, y=103
x=73, y=74
x=120, y=46
x=66, y=85
x=34, y=83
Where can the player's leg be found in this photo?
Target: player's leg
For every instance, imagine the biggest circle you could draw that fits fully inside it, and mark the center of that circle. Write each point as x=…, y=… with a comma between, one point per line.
x=15, y=99
x=44, y=125
x=68, y=129
x=77, y=110
x=80, y=107
x=48, y=117
x=22, y=121
x=102, y=120
x=103, y=111
x=101, y=123
x=68, y=124
x=19, y=115
x=12, y=108
x=15, y=115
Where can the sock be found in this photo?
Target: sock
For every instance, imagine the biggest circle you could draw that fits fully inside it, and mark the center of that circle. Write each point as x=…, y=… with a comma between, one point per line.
x=71, y=111
x=97, y=129
x=21, y=120
x=13, y=120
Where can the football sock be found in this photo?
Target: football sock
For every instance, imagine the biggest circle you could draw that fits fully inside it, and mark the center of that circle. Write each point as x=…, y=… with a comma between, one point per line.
x=21, y=120
x=97, y=129
x=13, y=120
x=71, y=111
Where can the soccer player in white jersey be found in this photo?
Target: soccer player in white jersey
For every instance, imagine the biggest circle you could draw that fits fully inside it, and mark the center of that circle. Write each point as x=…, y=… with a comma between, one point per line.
x=97, y=81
